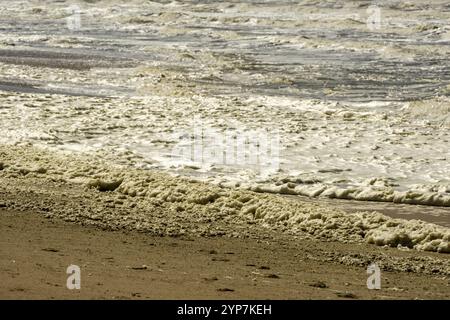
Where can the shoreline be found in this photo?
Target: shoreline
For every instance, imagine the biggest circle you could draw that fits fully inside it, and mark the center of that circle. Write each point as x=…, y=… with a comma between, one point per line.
x=155, y=202
x=133, y=250
x=134, y=81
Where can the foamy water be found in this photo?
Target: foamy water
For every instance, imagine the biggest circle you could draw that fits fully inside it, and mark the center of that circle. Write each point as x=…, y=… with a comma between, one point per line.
x=356, y=110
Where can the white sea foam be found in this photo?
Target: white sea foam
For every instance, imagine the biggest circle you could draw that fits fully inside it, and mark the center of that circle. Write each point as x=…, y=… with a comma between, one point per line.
x=24, y=166
x=241, y=67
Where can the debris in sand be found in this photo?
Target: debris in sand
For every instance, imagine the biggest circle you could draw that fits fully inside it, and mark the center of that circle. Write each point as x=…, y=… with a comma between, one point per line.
x=103, y=185
x=50, y=250
x=143, y=267
x=319, y=284
x=346, y=294
x=225, y=290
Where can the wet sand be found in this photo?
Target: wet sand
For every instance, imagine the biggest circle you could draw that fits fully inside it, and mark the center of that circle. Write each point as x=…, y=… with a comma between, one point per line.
x=432, y=214
x=126, y=265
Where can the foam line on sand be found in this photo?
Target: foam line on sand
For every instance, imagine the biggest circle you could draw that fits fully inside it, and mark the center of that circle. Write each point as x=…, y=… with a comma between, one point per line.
x=191, y=199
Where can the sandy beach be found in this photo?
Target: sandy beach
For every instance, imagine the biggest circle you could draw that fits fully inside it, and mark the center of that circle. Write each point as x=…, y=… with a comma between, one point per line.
x=129, y=265
x=224, y=150
x=59, y=210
